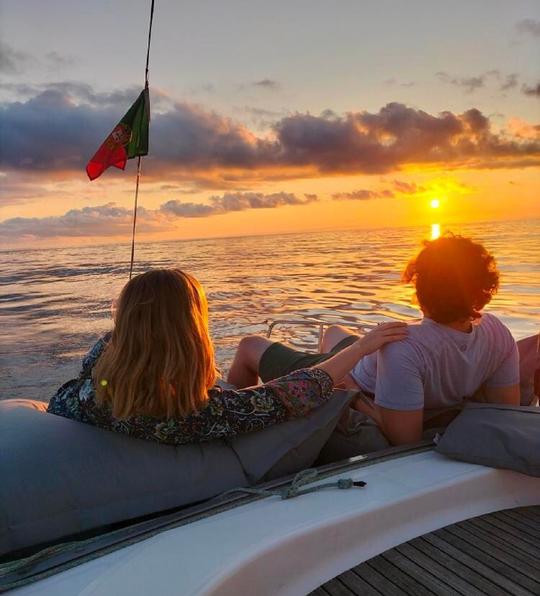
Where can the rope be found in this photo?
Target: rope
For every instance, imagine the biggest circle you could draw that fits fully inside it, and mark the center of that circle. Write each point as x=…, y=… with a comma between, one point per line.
x=295, y=488
x=146, y=69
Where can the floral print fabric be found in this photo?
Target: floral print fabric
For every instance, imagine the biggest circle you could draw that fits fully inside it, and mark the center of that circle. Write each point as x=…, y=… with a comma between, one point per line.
x=228, y=412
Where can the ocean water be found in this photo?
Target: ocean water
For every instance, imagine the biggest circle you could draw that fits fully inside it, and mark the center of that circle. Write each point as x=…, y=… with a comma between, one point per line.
x=55, y=303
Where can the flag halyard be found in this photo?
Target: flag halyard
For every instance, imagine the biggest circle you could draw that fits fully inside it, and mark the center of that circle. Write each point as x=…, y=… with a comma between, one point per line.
x=128, y=139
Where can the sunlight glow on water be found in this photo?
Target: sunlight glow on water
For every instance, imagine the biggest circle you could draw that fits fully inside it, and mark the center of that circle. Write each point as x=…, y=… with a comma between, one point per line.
x=435, y=231
x=55, y=303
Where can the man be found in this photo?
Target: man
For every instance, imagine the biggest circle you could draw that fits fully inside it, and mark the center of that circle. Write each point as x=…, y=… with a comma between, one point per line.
x=454, y=354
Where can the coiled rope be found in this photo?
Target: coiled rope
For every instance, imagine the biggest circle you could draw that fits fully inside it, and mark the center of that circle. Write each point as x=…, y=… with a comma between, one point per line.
x=297, y=486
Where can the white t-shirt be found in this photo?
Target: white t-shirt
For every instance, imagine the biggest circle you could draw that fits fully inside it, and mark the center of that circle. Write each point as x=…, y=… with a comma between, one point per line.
x=436, y=367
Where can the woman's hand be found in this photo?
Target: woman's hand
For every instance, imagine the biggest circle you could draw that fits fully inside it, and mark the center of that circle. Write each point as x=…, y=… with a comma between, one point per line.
x=340, y=364
x=382, y=334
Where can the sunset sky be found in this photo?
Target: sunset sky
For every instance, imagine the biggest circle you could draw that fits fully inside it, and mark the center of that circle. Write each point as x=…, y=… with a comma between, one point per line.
x=268, y=116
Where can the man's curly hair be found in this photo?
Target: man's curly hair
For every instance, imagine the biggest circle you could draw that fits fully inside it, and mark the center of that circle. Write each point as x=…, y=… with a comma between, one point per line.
x=454, y=278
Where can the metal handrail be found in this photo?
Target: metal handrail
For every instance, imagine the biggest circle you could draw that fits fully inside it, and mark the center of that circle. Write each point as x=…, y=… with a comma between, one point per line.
x=321, y=325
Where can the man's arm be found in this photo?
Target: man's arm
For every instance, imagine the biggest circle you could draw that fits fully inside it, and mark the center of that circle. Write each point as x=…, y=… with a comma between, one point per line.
x=509, y=395
x=400, y=427
x=502, y=387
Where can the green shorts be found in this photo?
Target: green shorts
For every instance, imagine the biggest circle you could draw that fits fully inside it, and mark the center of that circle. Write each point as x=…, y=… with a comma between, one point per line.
x=279, y=360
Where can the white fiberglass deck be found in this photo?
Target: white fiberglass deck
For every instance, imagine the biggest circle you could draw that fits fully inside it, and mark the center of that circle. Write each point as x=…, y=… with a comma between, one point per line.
x=291, y=547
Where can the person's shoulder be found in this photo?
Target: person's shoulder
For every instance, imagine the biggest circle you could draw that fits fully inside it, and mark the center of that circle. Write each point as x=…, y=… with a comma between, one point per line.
x=490, y=322
x=408, y=349
x=95, y=351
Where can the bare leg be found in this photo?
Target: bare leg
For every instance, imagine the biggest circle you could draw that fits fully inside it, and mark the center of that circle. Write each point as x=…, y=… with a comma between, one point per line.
x=244, y=371
x=333, y=335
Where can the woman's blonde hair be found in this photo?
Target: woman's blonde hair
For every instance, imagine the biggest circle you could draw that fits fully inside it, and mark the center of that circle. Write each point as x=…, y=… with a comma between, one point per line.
x=160, y=360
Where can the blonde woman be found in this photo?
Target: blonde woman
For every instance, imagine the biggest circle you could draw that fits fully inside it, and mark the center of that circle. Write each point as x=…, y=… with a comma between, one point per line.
x=154, y=376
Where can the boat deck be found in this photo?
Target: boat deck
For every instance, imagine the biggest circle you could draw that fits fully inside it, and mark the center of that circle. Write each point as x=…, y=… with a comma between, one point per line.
x=496, y=554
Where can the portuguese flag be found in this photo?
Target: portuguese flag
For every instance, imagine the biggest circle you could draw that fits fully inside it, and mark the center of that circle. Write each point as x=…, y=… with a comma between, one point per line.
x=128, y=139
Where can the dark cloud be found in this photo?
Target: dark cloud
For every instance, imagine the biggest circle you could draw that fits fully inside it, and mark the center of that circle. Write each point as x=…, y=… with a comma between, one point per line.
x=363, y=195
x=78, y=93
x=12, y=61
x=533, y=91
x=268, y=84
x=470, y=84
x=52, y=131
x=509, y=82
x=529, y=27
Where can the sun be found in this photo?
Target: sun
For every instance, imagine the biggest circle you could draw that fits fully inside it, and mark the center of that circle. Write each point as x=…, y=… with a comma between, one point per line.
x=435, y=203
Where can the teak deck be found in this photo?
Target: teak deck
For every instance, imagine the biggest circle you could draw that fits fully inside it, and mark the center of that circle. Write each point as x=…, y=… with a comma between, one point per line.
x=496, y=554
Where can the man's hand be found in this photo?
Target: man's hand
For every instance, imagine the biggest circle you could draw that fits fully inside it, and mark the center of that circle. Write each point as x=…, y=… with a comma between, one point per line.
x=380, y=335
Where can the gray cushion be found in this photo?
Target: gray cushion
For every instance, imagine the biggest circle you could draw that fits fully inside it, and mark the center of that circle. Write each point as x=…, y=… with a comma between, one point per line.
x=291, y=446
x=61, y=477
x=529, y=365
x=495, y=435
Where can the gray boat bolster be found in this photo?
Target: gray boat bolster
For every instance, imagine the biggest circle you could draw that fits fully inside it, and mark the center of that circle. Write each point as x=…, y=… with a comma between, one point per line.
x=493, y=435
x=60, y=478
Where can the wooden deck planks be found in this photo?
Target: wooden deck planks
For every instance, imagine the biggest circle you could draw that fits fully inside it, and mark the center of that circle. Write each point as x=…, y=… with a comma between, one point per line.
x=357, y=585
x=453, y=574
x=481, y=528
x=524, y=563
x=419, y=568
x=399, y=576
x=495, y=554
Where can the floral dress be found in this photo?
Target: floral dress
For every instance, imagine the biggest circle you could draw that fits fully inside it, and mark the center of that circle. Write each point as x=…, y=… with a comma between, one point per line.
x=227, y=413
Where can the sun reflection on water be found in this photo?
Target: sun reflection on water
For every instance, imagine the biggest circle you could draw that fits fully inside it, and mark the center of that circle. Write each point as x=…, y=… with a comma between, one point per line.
x=435, y=231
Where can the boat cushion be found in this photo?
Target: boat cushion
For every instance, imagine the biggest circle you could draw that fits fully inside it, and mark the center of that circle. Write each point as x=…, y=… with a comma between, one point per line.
x=60, y=477
x=493, y=435
x=529, y=368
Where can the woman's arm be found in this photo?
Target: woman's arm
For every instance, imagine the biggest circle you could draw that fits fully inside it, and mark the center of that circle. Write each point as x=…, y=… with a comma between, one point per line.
x=231, y=412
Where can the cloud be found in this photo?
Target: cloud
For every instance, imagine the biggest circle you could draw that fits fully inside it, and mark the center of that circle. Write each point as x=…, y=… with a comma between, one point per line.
x=52, y=131
x=522, y=129
x=407, y=188
x=392, y=81
x=529, y=27
x=180, y=209
x=533, y=91
x=510, y=81
x=113, y=220
x=79, y=93
x=235, y=201
x=363, y=195
x=268, y=84
x=470, y=84
x=12, y=61
x=103, y=220
x=399, y=187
